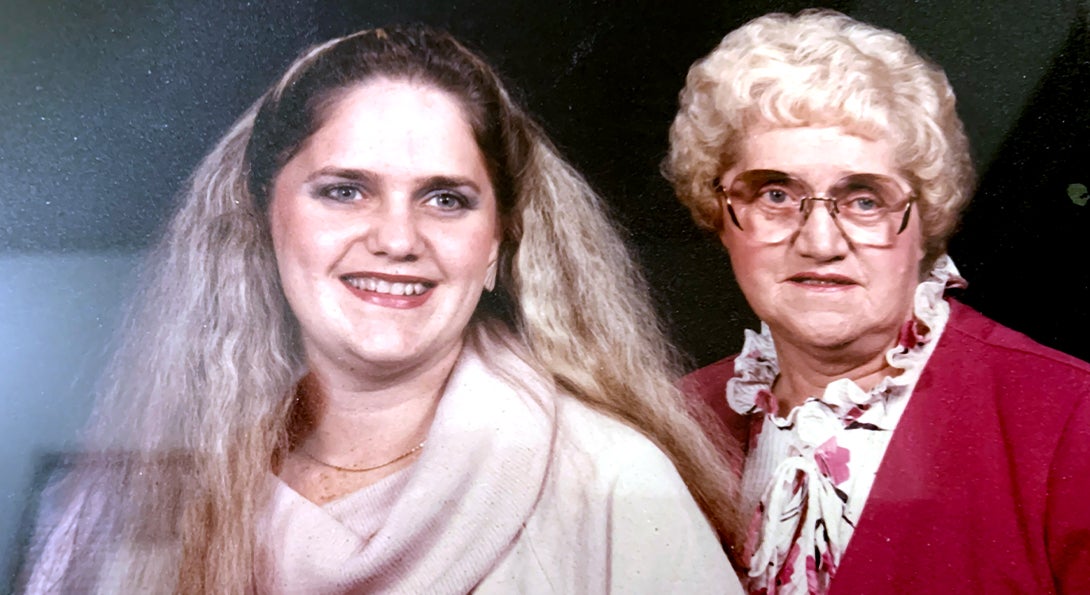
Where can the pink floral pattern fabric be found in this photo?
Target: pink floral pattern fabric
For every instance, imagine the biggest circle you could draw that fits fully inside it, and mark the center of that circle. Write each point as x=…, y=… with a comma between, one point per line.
x=808, y=474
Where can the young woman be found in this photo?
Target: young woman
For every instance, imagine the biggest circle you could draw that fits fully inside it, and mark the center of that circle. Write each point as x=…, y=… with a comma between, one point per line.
x=390, y=343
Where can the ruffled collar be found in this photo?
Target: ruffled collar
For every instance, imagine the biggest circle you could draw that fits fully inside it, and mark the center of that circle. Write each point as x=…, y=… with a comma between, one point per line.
x=807, y=509
x=757, y=366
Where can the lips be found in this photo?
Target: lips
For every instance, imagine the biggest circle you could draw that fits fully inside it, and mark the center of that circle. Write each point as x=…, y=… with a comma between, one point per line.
x=396, y=291
x=377, y=285
x=822, y=280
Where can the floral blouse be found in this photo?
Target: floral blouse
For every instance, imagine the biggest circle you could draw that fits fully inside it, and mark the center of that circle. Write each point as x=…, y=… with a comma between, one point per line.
x=807, y=475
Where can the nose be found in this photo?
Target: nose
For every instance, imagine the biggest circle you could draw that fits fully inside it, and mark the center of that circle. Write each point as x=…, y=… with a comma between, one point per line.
x=820, y=236
x=394, y=232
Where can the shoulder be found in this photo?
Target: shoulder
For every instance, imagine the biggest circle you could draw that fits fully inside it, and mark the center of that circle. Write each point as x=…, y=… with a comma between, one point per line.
x=601, y=460
x=635, y=502
x=983, y=345
x=613, y=448
x=1033, y=398
x=708, y=387
x=709, y=382
x=1043, y=399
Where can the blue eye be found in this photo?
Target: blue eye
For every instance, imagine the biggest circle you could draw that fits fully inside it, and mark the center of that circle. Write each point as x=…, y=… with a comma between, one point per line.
x=863, y=203
x=341, y=193
x=775, y=196
x=448, y=201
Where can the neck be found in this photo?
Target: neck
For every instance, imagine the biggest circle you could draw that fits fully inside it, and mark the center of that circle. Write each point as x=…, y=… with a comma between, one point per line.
x=349, y=423
x=806, y=371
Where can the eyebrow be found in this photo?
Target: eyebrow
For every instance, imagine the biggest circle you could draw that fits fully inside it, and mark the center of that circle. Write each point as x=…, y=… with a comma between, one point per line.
x=360, y=175
x=369, y=177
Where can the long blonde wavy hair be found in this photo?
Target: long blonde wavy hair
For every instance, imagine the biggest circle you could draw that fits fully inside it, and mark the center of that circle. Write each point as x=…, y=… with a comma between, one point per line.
x=198, y=400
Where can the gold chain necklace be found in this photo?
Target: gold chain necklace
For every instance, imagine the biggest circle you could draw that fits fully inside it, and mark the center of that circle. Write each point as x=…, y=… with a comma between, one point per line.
x=399, y=457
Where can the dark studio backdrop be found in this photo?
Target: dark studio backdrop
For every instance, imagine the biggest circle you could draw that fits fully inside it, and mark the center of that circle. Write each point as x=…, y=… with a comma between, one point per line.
x=105, y=107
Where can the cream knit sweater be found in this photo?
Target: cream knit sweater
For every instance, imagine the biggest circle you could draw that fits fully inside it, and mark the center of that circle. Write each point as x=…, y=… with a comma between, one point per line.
x=521, y=489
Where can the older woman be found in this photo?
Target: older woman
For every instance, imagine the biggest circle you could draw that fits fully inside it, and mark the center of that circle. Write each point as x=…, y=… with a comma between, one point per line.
x=893, y=439
x=314, y=397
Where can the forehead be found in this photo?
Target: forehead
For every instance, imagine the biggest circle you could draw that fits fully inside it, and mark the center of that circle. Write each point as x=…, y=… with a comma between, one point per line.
x=393, y=125
x=818, y=152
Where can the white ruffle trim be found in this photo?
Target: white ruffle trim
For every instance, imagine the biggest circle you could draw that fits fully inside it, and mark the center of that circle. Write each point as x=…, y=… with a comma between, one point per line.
x=803, y=494
x=756, y=367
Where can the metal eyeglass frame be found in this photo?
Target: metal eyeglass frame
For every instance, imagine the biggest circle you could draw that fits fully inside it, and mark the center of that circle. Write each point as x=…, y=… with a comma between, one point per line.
x=830, y=207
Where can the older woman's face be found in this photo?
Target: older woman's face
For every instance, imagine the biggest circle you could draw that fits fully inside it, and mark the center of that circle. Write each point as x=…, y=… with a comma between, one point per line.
x=384, y=226
x=817, y=289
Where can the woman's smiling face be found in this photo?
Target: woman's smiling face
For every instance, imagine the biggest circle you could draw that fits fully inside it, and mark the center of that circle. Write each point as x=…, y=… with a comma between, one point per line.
x=384, y=226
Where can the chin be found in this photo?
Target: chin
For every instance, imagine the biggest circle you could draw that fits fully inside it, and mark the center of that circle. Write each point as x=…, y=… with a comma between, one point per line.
x=386, y=353
x=824, y=330
x=396, y=349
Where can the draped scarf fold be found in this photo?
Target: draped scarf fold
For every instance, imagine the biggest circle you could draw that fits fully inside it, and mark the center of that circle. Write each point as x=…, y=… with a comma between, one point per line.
x=441, y=526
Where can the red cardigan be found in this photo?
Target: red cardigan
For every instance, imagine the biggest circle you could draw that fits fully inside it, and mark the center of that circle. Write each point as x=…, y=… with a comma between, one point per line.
x=985, y=485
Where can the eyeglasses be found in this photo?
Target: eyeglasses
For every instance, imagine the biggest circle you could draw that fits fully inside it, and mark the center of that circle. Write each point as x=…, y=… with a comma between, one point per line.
x=772, y=206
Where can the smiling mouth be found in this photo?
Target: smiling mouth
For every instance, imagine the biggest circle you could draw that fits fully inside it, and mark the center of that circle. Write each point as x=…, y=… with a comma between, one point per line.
x=388, y=287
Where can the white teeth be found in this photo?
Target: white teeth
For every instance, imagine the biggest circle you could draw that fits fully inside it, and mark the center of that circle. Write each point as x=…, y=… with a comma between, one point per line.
x=387, y=287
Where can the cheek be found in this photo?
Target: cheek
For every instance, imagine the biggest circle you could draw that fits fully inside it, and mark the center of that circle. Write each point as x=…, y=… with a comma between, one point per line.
x=473, y=255
x=286, y=245
x=469, y=249
x=282, y=226
x=893, y=280
x=908, y=260
x=748, y=262
x=300, y=252
x=299, y=236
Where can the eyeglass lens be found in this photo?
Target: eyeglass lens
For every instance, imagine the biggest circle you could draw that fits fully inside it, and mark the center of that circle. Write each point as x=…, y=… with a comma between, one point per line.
x=773, y=205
